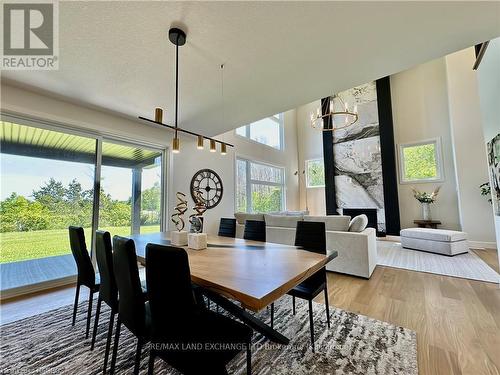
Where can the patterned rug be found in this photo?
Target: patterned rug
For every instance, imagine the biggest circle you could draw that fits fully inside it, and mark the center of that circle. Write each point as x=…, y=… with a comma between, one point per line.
x=355, y=344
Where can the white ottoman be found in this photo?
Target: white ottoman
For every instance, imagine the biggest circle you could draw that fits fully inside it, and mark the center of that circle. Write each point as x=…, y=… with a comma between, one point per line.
x=439, y=241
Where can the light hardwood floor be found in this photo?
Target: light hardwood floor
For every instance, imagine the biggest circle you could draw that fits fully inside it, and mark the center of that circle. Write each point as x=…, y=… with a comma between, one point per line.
x=457, y=320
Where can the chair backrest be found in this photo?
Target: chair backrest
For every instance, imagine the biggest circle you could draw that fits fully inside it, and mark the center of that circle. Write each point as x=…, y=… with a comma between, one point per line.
x=255, y=230
x=311, y=236
x=108, y=291
x=131, y=307
x=227, y=227
x=86, y=272
x=169, y=285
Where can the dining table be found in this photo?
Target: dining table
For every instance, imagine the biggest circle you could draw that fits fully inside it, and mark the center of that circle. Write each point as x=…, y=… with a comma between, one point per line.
x=244, y=276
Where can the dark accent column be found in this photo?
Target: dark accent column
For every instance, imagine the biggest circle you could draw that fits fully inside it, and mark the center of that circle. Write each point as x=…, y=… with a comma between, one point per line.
x=329, y=161
x=136, y=200
x=387, y=150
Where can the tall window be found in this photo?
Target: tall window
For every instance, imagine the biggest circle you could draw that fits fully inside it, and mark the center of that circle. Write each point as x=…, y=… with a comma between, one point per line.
x=259, y=187
x=48, y=179
x=268, y=131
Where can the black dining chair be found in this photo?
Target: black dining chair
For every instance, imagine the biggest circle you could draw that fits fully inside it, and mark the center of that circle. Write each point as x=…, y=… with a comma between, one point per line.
x=189, y=337
x=133, y=310
x=255, y=230
x=311, y=236
x=108, y=291
x=86, y=274
x=227, y=227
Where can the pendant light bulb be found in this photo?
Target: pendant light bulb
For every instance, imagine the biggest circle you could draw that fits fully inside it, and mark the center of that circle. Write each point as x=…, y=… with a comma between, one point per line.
x=212, y=146
x=200, y=142
x=176, y=145
x=223, y=150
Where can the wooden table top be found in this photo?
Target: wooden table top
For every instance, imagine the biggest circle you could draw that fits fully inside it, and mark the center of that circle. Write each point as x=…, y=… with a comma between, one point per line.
x=254, y=273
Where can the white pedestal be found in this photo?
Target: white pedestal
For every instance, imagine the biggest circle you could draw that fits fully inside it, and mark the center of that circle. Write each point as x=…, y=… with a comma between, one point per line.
x=179, y=238
x=197, y=241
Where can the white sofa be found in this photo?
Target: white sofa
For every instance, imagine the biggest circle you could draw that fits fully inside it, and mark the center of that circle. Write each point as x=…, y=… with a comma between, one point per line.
x=357, y=251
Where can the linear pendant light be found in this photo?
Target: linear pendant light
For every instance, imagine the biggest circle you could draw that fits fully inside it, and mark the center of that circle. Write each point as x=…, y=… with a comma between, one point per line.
x=178, y=38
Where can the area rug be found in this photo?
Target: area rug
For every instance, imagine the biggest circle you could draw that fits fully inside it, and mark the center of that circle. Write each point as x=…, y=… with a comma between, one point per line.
x=466, y=266
x=355, y=344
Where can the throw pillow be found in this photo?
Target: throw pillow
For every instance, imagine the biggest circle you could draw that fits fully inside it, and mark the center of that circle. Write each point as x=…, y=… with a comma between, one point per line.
x=358, y=223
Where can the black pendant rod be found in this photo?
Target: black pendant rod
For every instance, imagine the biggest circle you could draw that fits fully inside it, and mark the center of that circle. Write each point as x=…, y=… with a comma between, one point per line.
x=176, y=82
x=178, y=37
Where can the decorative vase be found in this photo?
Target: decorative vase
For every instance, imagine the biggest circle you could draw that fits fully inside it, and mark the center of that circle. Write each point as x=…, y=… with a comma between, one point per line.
x=426, y=211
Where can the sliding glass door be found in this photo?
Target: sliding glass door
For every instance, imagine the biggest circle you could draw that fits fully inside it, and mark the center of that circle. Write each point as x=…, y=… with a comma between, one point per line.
x=48, y=182
x=130, y=199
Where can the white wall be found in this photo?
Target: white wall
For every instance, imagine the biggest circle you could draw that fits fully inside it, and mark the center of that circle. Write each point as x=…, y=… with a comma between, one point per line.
x=420, y=111
x=310, y=146
x=488, y=76
x=469, y=148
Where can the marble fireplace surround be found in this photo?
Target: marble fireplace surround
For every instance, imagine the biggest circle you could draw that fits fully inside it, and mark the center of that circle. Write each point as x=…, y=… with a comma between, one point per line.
x=360, y=160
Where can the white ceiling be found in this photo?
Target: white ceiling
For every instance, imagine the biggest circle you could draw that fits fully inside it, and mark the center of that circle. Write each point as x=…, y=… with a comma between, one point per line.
x=277, y=55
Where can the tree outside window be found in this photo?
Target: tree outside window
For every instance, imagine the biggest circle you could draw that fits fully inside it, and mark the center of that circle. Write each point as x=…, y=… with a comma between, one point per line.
x=259, y=187
x=315, y=173
x=420, y=161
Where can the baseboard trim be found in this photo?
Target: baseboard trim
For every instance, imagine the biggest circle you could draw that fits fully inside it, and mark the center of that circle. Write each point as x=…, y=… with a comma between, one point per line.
x=482, y=245
x=39, y=287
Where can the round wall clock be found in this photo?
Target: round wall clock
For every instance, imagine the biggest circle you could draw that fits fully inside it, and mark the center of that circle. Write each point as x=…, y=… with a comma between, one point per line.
x=209, y=184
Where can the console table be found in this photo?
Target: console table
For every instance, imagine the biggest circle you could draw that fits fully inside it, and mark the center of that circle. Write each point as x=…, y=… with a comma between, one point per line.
x=427, y=223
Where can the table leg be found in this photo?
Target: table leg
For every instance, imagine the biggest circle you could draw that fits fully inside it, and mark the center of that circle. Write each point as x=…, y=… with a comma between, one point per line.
x=247, y=318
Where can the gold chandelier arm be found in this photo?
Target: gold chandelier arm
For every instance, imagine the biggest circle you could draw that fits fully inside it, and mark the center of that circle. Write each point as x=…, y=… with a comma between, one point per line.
x=331, y=114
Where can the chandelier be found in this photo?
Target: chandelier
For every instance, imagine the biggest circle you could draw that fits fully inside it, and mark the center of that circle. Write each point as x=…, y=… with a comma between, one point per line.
x=337, y=116
x=178, y=38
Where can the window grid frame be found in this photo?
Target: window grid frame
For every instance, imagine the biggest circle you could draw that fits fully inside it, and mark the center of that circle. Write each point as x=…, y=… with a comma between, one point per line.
x=250, y=182
x=440, y=177
x=307, y=173
x=280, y=121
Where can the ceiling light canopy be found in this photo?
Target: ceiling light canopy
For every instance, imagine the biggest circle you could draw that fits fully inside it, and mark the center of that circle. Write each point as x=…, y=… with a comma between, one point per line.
x=178, y=38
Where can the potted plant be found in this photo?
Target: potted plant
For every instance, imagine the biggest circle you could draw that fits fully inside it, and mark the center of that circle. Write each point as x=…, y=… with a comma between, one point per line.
x=425, y=200
x=486, y=190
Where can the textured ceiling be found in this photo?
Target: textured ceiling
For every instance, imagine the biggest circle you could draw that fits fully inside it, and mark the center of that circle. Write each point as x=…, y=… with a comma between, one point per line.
x=277, y=55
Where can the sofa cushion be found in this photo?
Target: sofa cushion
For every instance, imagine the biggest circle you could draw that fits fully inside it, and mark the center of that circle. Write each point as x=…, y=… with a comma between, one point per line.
x=241, y=217
x=282, y=221
x=296, y=213
x=333, y=222
x=442, y=235
x=358, y=223
x=280, y=235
